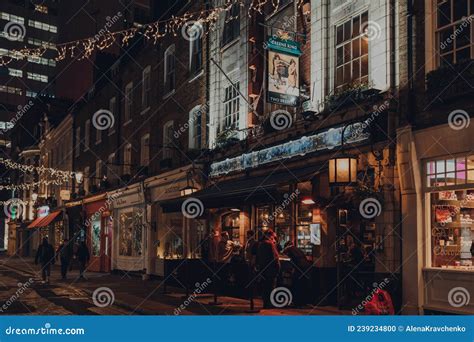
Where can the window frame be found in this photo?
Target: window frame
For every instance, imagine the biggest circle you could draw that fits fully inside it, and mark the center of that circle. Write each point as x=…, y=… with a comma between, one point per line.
x=349, y=42
x=145, y=150
x=195, y=55
x=231, y=30
x=232, y=102
x=87, y=132
x=127, y=159
x=113, y=110
x=168, y=151
x=169, y=80
x=128, y=103
x=453, y=25
x=195, y=128
x=146, y=87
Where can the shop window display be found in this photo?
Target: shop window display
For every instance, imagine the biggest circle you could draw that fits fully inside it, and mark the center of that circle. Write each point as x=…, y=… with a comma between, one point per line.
x=282, y=226
x=95, y=237
x=173, y=248
x=304, y=218
x=131, y=230
x=263, y=216
x=452, y=228
x=231, y=225
x=452, y=211
x=303, y=228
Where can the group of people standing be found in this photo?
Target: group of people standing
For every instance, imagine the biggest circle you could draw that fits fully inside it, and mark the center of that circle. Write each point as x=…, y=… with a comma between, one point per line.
x=67, y=252
x=263, y=259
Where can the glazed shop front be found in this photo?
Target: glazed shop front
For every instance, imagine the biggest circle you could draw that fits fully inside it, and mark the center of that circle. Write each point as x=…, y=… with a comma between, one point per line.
x=437, y=173
x=129, y=228
x=296, y=198
x=98, y=228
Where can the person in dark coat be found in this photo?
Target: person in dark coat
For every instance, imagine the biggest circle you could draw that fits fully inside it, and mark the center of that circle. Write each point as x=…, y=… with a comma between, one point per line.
x=268, y=265
x=250, y=250
x=83, y=257
x=45, y=256
x=301, y=276
x=65, y=255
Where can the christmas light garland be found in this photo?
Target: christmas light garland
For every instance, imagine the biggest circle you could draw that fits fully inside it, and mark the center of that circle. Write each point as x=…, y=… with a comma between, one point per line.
x=39, y=169
x=152, y=32
x=29, y=186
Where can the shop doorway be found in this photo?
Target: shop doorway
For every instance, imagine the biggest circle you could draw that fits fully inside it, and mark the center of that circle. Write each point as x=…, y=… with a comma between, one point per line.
x=355, y=261
x=101, y=244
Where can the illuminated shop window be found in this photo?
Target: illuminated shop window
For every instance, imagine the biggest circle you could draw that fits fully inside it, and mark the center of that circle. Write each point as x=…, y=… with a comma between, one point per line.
x=451, y=212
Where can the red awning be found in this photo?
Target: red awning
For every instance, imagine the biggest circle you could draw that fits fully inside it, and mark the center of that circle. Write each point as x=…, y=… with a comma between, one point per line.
x=44, y=221
x=34, y=224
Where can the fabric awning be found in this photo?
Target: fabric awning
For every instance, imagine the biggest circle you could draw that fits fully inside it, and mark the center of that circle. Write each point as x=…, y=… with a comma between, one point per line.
x=35, y=222
x=260, y=189
x=44, y=221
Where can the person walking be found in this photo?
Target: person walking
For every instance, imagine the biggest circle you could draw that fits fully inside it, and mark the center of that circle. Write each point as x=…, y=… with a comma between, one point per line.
x=268, y=265
x=83, y=257
x=45, y=256
x=65, y=255
x=226, y=248
x=301, y=275
x=214, y=240
x=250, y=250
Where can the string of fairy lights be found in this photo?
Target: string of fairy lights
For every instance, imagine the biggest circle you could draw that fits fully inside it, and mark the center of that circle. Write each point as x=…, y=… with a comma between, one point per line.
x=49, y=176
x=152, y=32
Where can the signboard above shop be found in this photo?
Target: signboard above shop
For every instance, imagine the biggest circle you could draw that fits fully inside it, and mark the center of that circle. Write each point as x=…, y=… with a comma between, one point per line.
x=283, y=78
x=356, y=132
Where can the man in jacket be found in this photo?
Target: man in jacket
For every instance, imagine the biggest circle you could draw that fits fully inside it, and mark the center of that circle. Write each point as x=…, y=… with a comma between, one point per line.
x=268, y=264
x=65, y=255
x=45, y=256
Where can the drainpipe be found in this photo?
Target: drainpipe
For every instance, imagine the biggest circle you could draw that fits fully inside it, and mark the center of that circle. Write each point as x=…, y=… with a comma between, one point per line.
x=410, y=64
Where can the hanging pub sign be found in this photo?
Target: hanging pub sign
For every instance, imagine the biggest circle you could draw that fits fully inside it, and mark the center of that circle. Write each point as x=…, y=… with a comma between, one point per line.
x=283, y=78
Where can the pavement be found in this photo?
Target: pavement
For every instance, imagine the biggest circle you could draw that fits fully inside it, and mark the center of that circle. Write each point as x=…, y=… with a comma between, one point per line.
x=117, y=295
